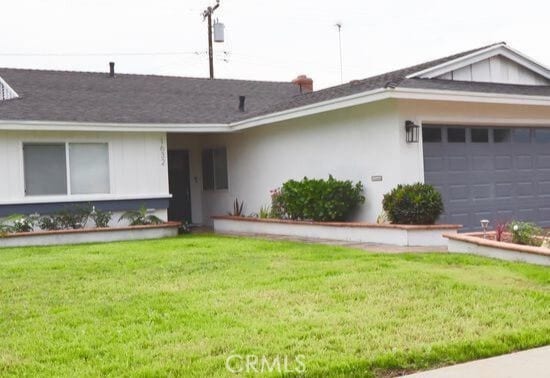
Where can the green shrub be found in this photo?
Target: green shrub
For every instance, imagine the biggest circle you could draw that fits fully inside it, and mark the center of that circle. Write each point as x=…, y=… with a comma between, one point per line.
x=317, y=199
x=101, y=218
x=413, y=204
x=74, y=218
x=277, y=209
x=24, y=223
x=525, y=233
x=140, y=217
x=49, y=223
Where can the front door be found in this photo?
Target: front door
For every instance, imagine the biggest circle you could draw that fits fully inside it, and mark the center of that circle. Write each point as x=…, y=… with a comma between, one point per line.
x=178, y=176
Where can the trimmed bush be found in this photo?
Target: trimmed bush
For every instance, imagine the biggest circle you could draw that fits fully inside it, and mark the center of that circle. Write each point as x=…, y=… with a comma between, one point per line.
x=317, y=199
x=413, y=204
x=525, y=233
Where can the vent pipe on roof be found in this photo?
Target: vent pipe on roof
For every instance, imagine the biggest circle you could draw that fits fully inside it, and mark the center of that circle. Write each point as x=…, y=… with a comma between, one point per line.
x=241, y=103
x=111, y=69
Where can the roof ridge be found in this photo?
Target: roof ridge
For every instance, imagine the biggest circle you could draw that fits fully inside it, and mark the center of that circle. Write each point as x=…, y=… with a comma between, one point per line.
x=106, y=73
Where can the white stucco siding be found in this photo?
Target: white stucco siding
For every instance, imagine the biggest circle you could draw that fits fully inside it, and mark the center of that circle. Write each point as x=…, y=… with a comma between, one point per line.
x=355, y=143
x=138, y=165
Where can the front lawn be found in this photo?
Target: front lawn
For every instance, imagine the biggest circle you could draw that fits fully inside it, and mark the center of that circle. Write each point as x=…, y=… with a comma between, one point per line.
x=181, y=306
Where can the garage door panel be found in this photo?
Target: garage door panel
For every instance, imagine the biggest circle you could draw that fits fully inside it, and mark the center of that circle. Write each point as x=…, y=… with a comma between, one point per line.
x=523, y=162
x=503, y=162
x=544, y=160
x=497, y=181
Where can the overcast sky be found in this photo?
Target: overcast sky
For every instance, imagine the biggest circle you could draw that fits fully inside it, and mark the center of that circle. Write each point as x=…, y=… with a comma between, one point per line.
x=265, y=40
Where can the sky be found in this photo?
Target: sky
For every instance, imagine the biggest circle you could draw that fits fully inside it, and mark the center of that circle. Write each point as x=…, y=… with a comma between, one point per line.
x=265, y=40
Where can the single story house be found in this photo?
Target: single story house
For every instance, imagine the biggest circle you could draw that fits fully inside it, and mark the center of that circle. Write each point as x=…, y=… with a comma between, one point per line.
x=476, y=125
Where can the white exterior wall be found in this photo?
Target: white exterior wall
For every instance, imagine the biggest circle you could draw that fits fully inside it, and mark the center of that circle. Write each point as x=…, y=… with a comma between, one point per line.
x=137, y=162
x=355, y=143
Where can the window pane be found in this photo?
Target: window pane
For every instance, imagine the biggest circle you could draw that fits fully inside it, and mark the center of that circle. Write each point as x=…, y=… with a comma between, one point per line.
x=502, y=135
x=220, y=168
x=89, y=164
x=207, y=170
x=456, y=135
x=522, y=135
x=480, y=135
x=45, y=169
x=542, y=135
x=431, y=134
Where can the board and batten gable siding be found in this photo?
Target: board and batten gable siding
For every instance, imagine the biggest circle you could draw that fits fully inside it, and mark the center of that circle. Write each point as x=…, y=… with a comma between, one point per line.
x=138, y=166
x=354, y=143
x=497, y=69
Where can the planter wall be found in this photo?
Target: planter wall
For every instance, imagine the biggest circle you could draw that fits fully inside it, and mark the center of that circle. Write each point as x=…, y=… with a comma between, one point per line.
x=402, y=235
x=91, y=235
x=473, y=243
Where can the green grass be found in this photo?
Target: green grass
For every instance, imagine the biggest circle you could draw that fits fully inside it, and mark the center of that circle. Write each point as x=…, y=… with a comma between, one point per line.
x=180, y=307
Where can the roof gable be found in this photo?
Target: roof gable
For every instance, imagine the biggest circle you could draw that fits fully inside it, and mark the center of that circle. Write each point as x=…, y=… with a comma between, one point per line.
x=497, y=64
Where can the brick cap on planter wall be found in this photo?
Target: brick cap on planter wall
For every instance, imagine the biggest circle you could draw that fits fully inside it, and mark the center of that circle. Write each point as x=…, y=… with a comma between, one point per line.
x=344, y=224
x=89, y=230
x=477, y=238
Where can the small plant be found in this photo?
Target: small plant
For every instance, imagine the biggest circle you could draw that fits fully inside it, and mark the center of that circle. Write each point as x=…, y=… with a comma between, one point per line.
x=74, y=218
x=184, y=228
x=101, y=218
x=49, y=223
x=383, y=218
x=140, y=217
x=23, y=223
x=265, y=212
x=500, y=229
x=546, y=241
x=7, y=224
x=525, y=233
x=413, y=204
x=237, y=208
x=317, y=199
x=277, y=207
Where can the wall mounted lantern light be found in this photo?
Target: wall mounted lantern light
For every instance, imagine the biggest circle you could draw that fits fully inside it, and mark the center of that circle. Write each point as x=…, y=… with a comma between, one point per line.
x=412, y=131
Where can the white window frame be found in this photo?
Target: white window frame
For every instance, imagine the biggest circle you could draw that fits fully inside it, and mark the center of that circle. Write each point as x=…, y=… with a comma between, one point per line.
x=67, y=168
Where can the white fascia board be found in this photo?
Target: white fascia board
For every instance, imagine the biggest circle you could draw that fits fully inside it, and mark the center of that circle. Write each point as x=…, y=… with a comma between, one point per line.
x=320, y=107
x=112, y=127
x=463, y=96
x=478, y=56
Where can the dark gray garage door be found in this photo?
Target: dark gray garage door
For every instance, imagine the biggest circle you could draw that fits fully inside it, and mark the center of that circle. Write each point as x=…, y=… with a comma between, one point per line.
x=496, y=173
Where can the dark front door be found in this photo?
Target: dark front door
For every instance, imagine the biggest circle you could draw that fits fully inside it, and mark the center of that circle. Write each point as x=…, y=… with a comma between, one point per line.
x=178, y=176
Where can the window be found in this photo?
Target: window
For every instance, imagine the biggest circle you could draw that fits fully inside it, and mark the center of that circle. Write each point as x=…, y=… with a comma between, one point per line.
x=522, y=135
x=45, y=168
x=456, y=135
x=502, y=135
x=89, y=166
x=431, y=134
x=542, y=135
x=214, y=169
x=480, y=135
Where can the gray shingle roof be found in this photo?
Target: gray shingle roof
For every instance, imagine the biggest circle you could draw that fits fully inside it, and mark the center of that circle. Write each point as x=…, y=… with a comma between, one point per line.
x=94, y=97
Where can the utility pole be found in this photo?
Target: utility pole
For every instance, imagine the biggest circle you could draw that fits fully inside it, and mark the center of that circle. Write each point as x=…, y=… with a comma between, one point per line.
x=207, y=14
x=339, y=26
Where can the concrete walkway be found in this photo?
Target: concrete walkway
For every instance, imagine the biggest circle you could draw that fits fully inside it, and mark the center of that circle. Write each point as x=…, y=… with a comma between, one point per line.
x=533, y=363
